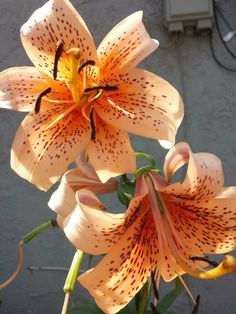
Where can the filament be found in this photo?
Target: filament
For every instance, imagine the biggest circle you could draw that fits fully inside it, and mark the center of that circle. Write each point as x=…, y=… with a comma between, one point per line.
x=187, y=289
x=62, y=115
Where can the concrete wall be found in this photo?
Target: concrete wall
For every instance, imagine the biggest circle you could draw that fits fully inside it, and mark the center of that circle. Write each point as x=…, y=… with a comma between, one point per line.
x=209, y=125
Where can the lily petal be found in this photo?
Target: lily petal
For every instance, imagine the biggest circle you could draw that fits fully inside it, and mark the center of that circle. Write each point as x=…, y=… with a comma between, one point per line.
x=93, y=230
x=111, y=153
x=177, y=157
x=126, y=267
x=144, y=104
x=63, y=200
x=20, y=88
x=127, y=44
x=88, y=227
x=169, y=268
x=204, y=177
x=57, y=21
x=84, y=177
x=41, y=151
x=206, y=225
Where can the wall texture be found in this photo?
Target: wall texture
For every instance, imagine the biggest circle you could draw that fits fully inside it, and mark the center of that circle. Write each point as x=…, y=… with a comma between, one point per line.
x=210, y=113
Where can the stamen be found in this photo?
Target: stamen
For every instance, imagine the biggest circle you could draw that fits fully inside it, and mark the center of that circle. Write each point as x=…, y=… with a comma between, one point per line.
x=55, y=101
x=84, y=64
x=104, y=87
x=154, y=286
x=59, y=50
x=187, y=289
x=18, y=267
x=65, y=304
x=39, y=98
x=204, y=259
x=62, y=115
x=93, y=130
x=153, y=308
x=196, y=307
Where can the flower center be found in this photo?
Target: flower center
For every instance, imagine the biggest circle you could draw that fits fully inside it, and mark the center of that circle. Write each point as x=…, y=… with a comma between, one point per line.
x=81, y=83
x=74, y=55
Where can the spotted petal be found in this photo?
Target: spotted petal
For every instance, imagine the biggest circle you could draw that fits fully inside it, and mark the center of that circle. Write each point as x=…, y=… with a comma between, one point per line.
x=204, y=176
x=20, y=88
x=110, y=154
x=88, y=227
x=83, y=176
x=208, y=225
x=126, y=267
x=42, y=150
x=63, y=200
x=57, y=21
x=91, y=229
x=127, y=44
x=144, y=104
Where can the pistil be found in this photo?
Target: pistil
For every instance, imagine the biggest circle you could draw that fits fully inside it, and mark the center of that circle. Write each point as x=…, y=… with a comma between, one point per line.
x=74, y=58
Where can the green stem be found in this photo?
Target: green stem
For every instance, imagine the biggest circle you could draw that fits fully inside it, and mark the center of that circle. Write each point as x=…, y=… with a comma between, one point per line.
x=30, y=235
x=73, y=272
x=148, y=156
x=141, y=298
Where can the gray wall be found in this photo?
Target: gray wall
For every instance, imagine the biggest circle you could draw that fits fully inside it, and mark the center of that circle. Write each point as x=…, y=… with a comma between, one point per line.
x=209, y=125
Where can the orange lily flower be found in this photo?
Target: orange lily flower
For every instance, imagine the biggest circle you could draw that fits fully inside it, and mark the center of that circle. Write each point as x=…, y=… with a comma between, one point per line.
x=165, y=227
x=82, y=98
x=83, y=177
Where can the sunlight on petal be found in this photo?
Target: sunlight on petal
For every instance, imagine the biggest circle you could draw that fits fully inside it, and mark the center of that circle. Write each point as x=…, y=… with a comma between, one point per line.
x=19, y=88
x=56, y=21
x=41, y=154
x=127, y=44
x=110, y=151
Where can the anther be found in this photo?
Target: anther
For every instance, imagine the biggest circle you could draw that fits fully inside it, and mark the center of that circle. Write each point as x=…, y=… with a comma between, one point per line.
x=196, y=307
x=39, y=98
x=204, y=259
x=59, y=50
x=84, y=64
x=153, y=308
x=154, y=285
x=104, y=87
x=93, y=130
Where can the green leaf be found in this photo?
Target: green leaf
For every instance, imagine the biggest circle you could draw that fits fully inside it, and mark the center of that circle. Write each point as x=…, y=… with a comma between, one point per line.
x=147, y=156
x=90, y=258
x=82, y=305
x=125, y=190
x=142, y=298
x=164, y=304
x=130, y=308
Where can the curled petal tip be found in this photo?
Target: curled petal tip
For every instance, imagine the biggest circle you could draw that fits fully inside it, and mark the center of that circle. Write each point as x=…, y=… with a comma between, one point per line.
x=156, y=42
